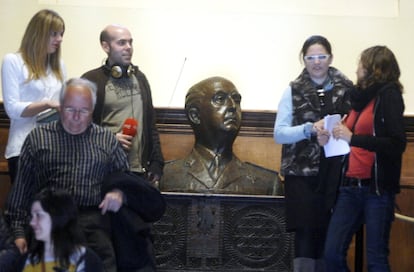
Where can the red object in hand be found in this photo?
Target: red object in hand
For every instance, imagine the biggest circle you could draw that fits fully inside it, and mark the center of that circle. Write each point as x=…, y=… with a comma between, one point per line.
x=130, y=127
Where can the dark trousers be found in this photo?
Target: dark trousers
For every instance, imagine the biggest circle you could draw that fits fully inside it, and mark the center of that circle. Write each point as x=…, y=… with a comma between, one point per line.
x=13, y=164
x=147, y=268
x=309, y=242
x=306, y=215
x=96, y=228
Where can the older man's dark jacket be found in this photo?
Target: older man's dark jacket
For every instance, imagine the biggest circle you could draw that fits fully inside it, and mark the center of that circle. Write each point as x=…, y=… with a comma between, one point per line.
x=131, y=225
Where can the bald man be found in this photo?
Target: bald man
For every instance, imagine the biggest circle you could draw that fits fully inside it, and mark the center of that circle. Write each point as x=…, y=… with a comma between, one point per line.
x=124, y=105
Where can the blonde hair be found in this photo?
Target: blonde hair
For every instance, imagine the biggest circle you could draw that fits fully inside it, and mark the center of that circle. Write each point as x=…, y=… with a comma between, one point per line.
x=33, y=46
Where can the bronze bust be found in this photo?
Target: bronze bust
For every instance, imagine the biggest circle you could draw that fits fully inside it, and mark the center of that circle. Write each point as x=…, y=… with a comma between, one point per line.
x=213, y=109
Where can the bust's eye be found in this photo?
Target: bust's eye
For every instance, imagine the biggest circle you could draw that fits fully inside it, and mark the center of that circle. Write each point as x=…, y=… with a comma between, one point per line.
x=219, y=99
x=236, y=98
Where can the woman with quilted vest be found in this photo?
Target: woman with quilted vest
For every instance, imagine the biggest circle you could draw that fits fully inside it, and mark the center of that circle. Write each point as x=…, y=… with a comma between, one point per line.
x=310, y=189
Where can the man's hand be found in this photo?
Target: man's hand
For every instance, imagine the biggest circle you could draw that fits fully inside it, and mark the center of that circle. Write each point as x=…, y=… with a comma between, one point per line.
x=112, y=201
x=21, y=244
x=124, y=140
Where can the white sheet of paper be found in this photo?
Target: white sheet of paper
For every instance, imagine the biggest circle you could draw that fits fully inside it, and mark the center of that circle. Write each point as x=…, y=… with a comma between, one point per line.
x=334, y=147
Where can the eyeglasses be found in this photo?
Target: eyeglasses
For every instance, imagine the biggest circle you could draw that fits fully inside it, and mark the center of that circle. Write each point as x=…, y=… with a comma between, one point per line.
x=316, y=57
x=83, y=112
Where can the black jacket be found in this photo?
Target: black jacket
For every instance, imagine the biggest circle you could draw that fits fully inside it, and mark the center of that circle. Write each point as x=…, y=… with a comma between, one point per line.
x=131, y=225
x=10, y=258
x=152, y=158
x=389, y=139
x=92, y=261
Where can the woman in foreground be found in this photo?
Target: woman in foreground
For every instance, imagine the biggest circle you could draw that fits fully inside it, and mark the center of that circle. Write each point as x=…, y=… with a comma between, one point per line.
x=58, y=244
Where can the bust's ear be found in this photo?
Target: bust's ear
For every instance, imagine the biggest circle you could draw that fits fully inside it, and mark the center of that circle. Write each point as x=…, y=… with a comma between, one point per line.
x=193, y=115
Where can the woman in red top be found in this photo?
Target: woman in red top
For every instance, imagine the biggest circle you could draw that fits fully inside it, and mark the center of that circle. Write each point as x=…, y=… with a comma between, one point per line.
x=375, y=132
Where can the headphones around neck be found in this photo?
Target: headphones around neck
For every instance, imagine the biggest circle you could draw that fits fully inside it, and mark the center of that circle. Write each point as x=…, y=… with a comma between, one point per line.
x=117, y=71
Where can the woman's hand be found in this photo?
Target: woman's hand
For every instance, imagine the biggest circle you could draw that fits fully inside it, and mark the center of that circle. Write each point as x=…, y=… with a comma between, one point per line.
x=21, y=244
x=322, y=135
x=319, y=125
x=342, y=132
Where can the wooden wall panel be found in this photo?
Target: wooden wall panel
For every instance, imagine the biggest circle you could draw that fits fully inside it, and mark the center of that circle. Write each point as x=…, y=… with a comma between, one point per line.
x=261, y=151
x=175, y=146
x=402, y=234
x=407, y=171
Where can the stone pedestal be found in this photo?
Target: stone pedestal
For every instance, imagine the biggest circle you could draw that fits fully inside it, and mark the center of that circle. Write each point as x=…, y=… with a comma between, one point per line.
x=204, y=232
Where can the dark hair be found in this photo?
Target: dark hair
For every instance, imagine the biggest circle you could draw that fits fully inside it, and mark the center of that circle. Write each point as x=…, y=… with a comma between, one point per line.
x=315, y=39
x=104, y=37
x=66, y=235
x=381, y=66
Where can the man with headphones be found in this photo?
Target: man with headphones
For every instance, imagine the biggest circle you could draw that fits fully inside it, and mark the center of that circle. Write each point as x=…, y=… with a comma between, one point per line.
x=124, y=105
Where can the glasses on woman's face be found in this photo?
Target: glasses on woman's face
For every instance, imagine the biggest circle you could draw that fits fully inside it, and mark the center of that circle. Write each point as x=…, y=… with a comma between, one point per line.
x=313, y=58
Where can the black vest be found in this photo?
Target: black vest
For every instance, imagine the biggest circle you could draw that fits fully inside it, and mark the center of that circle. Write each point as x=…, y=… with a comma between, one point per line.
x=302, y=158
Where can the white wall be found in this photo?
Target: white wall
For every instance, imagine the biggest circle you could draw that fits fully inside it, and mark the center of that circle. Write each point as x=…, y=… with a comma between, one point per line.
x=255, y=44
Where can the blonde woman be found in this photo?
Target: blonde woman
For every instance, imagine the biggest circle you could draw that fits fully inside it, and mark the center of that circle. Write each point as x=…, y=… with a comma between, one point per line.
x=32, y=78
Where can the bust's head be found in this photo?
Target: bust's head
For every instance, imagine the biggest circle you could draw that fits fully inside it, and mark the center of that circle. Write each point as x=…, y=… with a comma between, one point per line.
x=213, y=108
